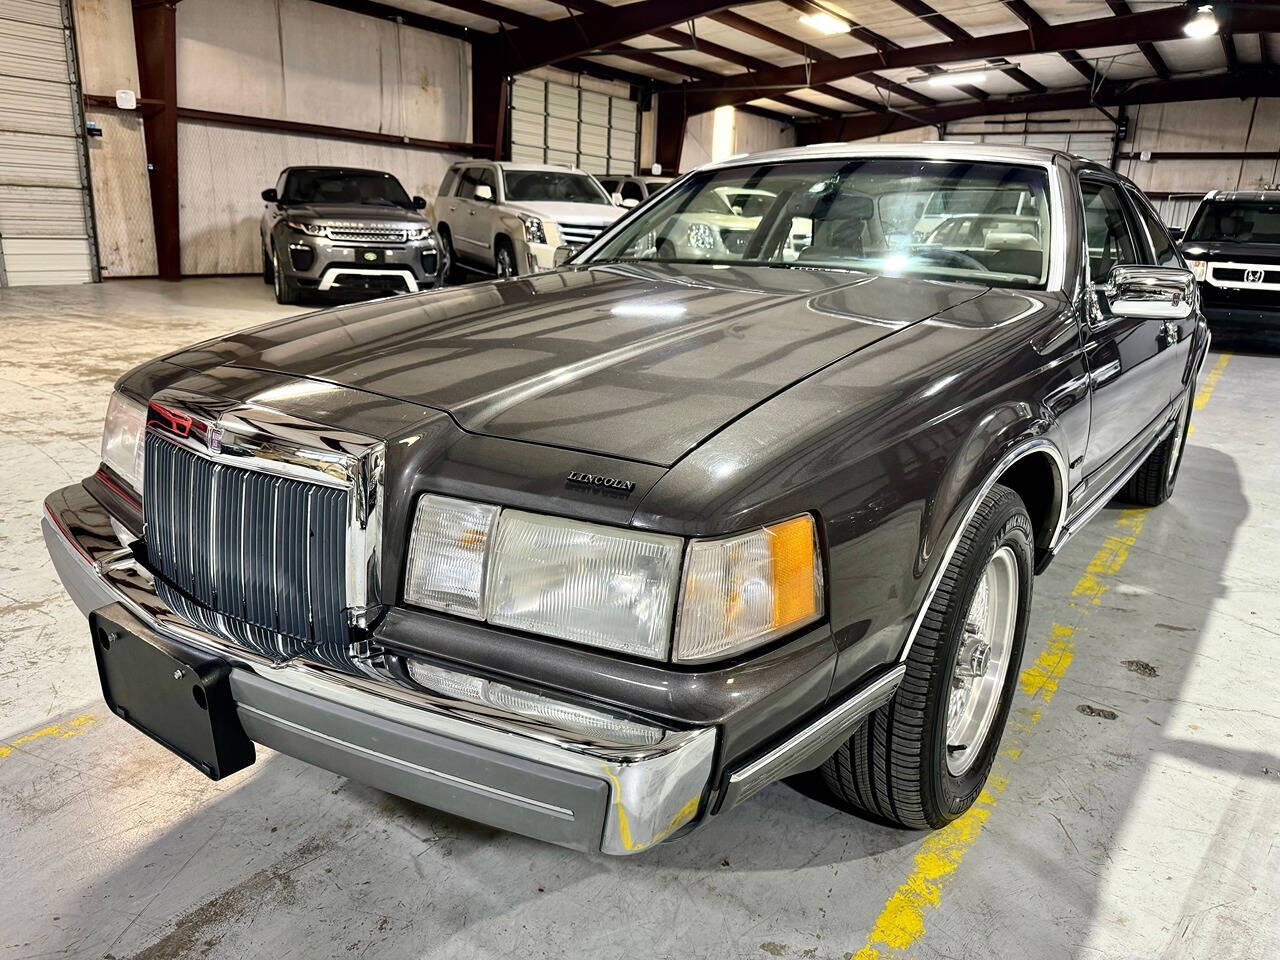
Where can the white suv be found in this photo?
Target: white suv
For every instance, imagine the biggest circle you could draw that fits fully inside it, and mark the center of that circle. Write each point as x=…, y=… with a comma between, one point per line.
x=509, y=218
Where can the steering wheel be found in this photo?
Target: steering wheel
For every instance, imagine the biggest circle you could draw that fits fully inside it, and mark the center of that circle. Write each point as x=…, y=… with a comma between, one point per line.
x=954, y=256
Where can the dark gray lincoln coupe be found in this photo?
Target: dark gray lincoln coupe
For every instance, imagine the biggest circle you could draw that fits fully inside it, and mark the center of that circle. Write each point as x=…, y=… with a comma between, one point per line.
x=595, y=555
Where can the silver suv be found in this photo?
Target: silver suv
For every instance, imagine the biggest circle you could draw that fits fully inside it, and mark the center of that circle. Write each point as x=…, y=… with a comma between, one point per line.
x=342, y=233
x=509, y=218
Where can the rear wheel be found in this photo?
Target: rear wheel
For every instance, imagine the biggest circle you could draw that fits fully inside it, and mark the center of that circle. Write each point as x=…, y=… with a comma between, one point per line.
x=1153, y=483
x=285, y=289
x=921, y=760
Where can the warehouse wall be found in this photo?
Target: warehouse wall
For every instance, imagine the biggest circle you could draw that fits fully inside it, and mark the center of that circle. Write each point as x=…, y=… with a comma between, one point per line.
x=751, y=134
x=118, y=158
x=301, y=61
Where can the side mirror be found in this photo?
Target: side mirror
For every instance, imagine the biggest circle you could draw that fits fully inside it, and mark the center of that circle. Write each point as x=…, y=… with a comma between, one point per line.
x=484, y=193
x=616, y=197
x=630, y=202
x=419, y=203
x=270, y=195
x=563, y=255
x=1162, y=293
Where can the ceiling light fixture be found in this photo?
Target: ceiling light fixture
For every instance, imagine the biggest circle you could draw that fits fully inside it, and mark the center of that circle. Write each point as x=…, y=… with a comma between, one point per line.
x=956, y=78
x=1203, y=23
x=825, y=23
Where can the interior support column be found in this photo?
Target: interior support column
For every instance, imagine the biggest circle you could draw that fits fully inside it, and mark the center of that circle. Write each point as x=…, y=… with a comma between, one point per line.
x=155, y=36
x=672, y=118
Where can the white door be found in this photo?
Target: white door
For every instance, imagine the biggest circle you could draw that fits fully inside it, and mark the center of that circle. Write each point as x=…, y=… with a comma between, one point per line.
x=560, y=123
x=45, y=236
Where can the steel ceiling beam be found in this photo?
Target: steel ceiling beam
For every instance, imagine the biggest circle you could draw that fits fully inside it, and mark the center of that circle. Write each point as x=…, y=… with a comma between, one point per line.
x=1247, y=82
x=1121, y=8
x=1162, y=24
x=787, y=42
x=529, y=47
x=1036, y=24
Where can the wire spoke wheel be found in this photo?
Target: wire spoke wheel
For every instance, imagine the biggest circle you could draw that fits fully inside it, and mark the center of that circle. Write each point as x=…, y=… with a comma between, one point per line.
x=982, y=661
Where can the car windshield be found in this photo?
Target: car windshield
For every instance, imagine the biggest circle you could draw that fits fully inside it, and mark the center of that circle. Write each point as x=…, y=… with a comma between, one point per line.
x=1238, y=221
x=878, y=215
x=341, y=186
x=534, y=186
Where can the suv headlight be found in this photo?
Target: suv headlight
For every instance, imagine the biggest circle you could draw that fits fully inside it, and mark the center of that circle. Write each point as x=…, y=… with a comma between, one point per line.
x=124, y=439
x=533, y=229
x=702, y=236
x=613, y=587
x=420, y=233
x=310, y=229
x=1199, y=268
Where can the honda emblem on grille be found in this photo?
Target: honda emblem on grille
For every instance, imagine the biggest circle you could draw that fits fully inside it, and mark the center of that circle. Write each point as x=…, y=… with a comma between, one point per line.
x=215, y=438
x=1253, y=276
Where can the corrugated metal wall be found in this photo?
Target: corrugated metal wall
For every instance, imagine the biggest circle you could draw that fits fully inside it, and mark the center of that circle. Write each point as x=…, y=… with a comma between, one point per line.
x=555, y=122
x=44, y=222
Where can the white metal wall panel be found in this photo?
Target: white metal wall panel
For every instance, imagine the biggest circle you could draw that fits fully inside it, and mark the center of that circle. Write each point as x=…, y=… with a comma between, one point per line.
x=1095, y=144
x=44, y=237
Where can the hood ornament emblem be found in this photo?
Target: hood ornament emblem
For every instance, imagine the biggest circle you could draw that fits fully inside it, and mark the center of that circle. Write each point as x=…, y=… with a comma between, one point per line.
x=215, y=438
x=601, y=482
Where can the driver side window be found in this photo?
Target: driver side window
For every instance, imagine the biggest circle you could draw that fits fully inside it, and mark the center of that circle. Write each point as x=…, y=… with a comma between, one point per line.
x=1108, y=232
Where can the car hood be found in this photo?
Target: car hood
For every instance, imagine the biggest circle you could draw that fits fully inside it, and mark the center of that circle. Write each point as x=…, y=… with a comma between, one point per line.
x=636, y=361
x=599, y=214
x=1231, y=251
x=352, y=213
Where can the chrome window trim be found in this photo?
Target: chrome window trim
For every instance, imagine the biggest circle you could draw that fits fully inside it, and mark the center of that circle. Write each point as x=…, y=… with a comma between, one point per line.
x=258, y=438
x=1021, y=450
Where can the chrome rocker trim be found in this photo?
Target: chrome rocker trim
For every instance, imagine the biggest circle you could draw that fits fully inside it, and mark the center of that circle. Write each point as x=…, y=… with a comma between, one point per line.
x=505, y=770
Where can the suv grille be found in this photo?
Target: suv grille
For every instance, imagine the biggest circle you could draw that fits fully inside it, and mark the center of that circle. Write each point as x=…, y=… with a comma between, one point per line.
x=356, y=235
x=267, y=551
x=579, y=233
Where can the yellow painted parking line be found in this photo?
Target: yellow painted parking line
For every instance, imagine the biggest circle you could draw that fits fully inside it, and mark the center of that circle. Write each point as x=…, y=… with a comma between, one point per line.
x=901, y=924
x=1210, y=381
x=61, y=731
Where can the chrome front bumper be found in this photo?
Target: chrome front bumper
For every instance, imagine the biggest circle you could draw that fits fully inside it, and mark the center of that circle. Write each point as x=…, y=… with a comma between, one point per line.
x=499, y=769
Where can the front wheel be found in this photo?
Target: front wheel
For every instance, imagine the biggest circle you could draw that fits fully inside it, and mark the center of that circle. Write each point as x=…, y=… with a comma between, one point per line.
x=286, y=290
x=1153, y=482
x=921, y=760
x=504, y=260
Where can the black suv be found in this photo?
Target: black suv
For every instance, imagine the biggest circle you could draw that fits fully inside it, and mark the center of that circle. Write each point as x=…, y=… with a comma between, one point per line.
x=341, y=232
x=1233, y=248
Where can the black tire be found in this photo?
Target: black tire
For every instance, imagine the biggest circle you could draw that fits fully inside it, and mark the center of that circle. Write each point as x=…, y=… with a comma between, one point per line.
x=1154, y=481
x=895, y=766
x=286, y=290
x=449, y=269
x=268, y=274
x=504, y=259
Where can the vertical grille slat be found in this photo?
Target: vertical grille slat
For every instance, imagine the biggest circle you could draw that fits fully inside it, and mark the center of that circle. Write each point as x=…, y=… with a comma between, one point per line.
x=267, y=551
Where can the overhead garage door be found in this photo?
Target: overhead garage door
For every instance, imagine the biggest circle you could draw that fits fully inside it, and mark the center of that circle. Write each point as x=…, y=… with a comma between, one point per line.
x=45, y=235
x=558, y=123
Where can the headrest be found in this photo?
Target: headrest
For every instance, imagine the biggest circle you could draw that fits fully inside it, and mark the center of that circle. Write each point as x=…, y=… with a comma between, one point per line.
x=1007, y=240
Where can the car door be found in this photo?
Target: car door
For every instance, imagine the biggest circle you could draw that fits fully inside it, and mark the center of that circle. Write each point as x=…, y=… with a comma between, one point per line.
x=1179, y=333
x=473, y=230
x=1129, y=366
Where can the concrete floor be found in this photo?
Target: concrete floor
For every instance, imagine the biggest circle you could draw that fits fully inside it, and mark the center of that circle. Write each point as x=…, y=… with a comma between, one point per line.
x=1133, y=812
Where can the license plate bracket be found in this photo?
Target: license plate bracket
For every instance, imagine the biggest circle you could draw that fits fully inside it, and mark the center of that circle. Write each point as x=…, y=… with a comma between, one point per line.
x=178, y=696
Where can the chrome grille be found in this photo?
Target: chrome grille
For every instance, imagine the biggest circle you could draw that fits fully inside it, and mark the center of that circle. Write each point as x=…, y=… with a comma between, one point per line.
x=356, y=235
x=579, y=233
x=266, y=550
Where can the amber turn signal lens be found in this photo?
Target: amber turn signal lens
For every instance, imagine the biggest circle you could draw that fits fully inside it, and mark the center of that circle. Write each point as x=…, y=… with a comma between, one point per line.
x=792, y=550
x=744, y=590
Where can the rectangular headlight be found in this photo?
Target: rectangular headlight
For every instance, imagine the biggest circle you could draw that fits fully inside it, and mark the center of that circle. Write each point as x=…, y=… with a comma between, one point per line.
x=745, y=590
x=584, y=582
x=124, y=439
x=448, y=550
x=1199, y=268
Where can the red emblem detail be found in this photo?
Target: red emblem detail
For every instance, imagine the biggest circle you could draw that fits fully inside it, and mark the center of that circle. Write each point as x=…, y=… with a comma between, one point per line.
x=174, y=421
